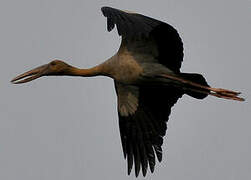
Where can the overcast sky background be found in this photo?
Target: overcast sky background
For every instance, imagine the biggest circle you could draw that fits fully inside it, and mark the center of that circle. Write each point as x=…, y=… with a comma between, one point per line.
x=61, y=128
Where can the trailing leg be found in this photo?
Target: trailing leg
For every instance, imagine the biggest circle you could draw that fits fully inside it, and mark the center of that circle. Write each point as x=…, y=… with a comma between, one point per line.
x=197, y=84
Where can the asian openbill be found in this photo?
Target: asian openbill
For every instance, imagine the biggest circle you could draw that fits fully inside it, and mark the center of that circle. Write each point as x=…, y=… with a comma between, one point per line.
x=148, y=82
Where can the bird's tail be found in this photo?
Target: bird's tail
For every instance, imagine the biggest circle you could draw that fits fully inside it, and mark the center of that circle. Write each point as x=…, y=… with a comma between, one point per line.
x=195, y=78
x=195, y=85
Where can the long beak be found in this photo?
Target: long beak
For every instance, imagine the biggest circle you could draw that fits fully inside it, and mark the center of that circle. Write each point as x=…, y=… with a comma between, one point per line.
x=30, y=75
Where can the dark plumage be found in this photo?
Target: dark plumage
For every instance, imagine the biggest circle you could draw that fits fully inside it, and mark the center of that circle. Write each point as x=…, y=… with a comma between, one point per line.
x=135, y=27
x=148, y=82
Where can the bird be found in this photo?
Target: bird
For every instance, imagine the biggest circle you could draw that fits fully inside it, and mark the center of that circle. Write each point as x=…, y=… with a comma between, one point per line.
x=148, y=82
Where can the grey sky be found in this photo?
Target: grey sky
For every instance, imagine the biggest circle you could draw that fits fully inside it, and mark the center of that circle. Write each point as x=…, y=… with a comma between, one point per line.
x=60, y=128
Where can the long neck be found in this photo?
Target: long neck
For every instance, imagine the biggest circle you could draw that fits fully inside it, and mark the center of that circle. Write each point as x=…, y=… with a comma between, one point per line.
x=94, y=71
x=103, y=69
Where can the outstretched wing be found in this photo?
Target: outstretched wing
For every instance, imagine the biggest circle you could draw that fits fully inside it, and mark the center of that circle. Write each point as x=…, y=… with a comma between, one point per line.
x=144, y=32
x=143, y=114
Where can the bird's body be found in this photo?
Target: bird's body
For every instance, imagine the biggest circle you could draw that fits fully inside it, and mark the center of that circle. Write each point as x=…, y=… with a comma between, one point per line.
x=148, y=82
x=127, y=70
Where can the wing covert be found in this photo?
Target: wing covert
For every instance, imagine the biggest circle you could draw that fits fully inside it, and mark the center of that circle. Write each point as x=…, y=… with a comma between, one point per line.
x=142, y=132
x=135, y=27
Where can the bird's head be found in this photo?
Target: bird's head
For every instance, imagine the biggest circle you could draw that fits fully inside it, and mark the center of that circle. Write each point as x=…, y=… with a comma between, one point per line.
x=55, y=68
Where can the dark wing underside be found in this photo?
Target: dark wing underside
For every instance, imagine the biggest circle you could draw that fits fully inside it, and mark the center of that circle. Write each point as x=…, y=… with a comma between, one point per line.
x=144, y=111
x=135, y=27
x=142, y=132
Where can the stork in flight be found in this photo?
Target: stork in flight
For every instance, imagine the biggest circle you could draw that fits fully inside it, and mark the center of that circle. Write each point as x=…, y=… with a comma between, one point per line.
x=148, y=82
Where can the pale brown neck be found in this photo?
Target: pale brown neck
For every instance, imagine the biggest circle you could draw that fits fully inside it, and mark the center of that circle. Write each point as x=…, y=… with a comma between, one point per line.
x=95, y=71
x=102, y=69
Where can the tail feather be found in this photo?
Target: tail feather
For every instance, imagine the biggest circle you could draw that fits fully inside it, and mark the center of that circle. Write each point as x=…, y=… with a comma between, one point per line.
x=196, y=86
x=196, y=78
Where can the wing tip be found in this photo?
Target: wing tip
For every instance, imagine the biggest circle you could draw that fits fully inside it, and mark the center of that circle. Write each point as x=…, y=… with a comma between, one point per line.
x=106, y=9
x=103, y=9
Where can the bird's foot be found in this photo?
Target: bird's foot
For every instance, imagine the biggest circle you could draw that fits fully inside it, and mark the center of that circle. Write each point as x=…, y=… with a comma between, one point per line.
x=226, y=94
